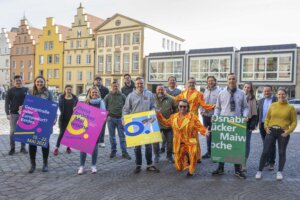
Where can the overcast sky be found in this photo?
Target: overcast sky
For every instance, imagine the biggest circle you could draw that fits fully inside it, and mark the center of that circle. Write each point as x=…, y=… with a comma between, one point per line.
x=202, y=23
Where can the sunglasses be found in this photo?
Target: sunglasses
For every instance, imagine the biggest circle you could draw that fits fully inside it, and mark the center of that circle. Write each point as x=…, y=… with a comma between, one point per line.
x=182, y=106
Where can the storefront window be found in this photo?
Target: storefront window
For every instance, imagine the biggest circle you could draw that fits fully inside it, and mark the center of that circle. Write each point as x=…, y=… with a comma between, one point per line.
x=162, y=69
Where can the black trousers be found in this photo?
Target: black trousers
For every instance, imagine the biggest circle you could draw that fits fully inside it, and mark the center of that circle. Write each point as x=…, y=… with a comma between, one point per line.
x=270, y=140
x=33, y=149
x=62, y=130
x=272, y=153
x=207, y=123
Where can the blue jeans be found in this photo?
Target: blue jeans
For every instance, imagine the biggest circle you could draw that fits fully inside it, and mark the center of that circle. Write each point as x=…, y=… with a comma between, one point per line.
x=248, y=142
x=112, y=124
x=138, y=154
x=94, y=156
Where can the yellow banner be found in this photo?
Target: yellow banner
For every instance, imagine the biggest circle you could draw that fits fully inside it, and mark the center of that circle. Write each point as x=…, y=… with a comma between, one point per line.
x=141, y=128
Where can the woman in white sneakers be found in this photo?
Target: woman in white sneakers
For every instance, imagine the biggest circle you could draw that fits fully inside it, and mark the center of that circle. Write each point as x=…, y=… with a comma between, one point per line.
x=280, y=122
x=93, y=99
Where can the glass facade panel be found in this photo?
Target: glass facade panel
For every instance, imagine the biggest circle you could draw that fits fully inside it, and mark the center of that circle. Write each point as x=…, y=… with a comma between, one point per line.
x=162, y=69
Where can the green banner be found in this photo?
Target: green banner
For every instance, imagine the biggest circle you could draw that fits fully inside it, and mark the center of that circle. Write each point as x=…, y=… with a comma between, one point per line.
x=228, y=143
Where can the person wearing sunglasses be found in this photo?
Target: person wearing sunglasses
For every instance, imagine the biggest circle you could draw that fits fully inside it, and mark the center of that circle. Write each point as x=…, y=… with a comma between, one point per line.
x=186, y=127
x=196, y=100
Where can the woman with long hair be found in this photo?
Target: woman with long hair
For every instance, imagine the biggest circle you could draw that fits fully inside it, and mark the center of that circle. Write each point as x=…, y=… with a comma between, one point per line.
x=40, y=90
x=93, y=99
x=280, y=122
x=67, y=101
x=252, y=117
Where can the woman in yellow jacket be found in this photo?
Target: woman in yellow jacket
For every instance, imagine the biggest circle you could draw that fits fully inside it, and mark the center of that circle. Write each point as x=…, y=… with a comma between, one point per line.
x=280, y=122
x=185, y=127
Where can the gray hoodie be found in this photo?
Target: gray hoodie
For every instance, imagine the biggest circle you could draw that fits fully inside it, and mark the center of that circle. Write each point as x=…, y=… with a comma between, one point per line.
x=139, y=102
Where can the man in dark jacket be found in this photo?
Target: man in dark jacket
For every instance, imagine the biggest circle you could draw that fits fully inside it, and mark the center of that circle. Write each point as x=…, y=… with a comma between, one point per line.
x=103, y=92
x=128, y=85
x=114, y=103
x=263, y=107
x=13, y=100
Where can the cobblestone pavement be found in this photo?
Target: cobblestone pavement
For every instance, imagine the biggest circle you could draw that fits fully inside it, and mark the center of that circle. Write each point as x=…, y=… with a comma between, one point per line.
x=115, y=178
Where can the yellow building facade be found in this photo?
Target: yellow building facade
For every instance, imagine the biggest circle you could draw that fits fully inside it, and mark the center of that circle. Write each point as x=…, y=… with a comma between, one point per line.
x=49, y=55
x=79, y=52
x=122, y=44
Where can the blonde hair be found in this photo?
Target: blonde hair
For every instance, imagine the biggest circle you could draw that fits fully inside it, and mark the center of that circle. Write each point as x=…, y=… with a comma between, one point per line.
x=88, y=98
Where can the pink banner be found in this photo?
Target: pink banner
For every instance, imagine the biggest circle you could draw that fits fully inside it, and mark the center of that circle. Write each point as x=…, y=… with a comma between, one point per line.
x=84, y=128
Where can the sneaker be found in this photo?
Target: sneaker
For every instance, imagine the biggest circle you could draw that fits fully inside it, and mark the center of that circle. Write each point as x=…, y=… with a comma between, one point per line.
x=206, y=156
x=258, y=175
x=11, y=152
x=267, y=164
x=68, y=150
x=94, y=169
x=199, y=161
x=279, y=176
x=24, y=151
x=170, y=159
x=102, y=145
x=153, y=169
x=244, y=168
x=55, y=151
x=137, y=170
x=271, y=167
x=80, y=170
x=240, y=174
x=126, y=156
x=218, y=171
x=112, y=154
x=162, y=150
x=189, y=175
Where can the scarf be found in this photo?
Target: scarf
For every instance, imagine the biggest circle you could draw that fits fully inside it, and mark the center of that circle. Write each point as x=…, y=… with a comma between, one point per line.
x=232, y=102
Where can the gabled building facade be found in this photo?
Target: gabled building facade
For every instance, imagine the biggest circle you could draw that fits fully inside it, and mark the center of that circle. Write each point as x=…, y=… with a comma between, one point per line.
x=122, y=44
x=49, y=54
x=6, y=41
x=23, y=52
x=79, y=52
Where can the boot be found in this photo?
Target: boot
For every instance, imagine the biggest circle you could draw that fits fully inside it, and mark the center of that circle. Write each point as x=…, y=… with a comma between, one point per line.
x=31, y=170
x=45, y=166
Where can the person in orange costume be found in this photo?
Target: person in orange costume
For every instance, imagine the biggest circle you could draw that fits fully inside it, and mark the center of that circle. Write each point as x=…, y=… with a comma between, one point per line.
x=185, y=127
x=195, y=99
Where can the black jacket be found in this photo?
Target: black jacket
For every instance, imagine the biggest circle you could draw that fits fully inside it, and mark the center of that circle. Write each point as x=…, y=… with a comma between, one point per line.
x=260, y=109
x=62, y=107
x=14, y=99
x=128, y=89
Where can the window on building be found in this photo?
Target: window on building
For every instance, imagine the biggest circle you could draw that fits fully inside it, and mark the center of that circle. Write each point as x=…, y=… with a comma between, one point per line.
x=168, y=44
x=118, y=40
x=100, y=63
x=14, y=64
x=267, y=67
x=101, y=41
x=79, y=76
x=135, y=61
x=172, y=46
x=22, y=50
x=50, y=45
x=7, y=63
x=136, y=38
x=29, y=63
x=88, y=75
x=49, y=32
x=41, y=59
x=46, y=47
x=49, y=73
x=107, y=82
x=78, y=59
x=218, y=66
x=41, y=72
x=7, y=76
x=164, y=43
x=30, y=76
x=19, y=38
x=126, y=62
x=25, y=39
x=49, y=59
x=22, y=75
x=126, y=39
x=56, y=74
x=78, y=34
x=117, y=63
x=27, y=50
x=162, y=69
x=108, y=40
x=78, y=44
x=175, y=46
x=88, y=59
x=22, y=64
x=17, y=50
x=108, y=63
x=71, y=44
x=68, y=75
x=86, y=43
x=56, y=59
x=69, y=60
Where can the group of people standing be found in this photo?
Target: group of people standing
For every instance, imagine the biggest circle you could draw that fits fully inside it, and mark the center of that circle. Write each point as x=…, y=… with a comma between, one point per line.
x=177, y=113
